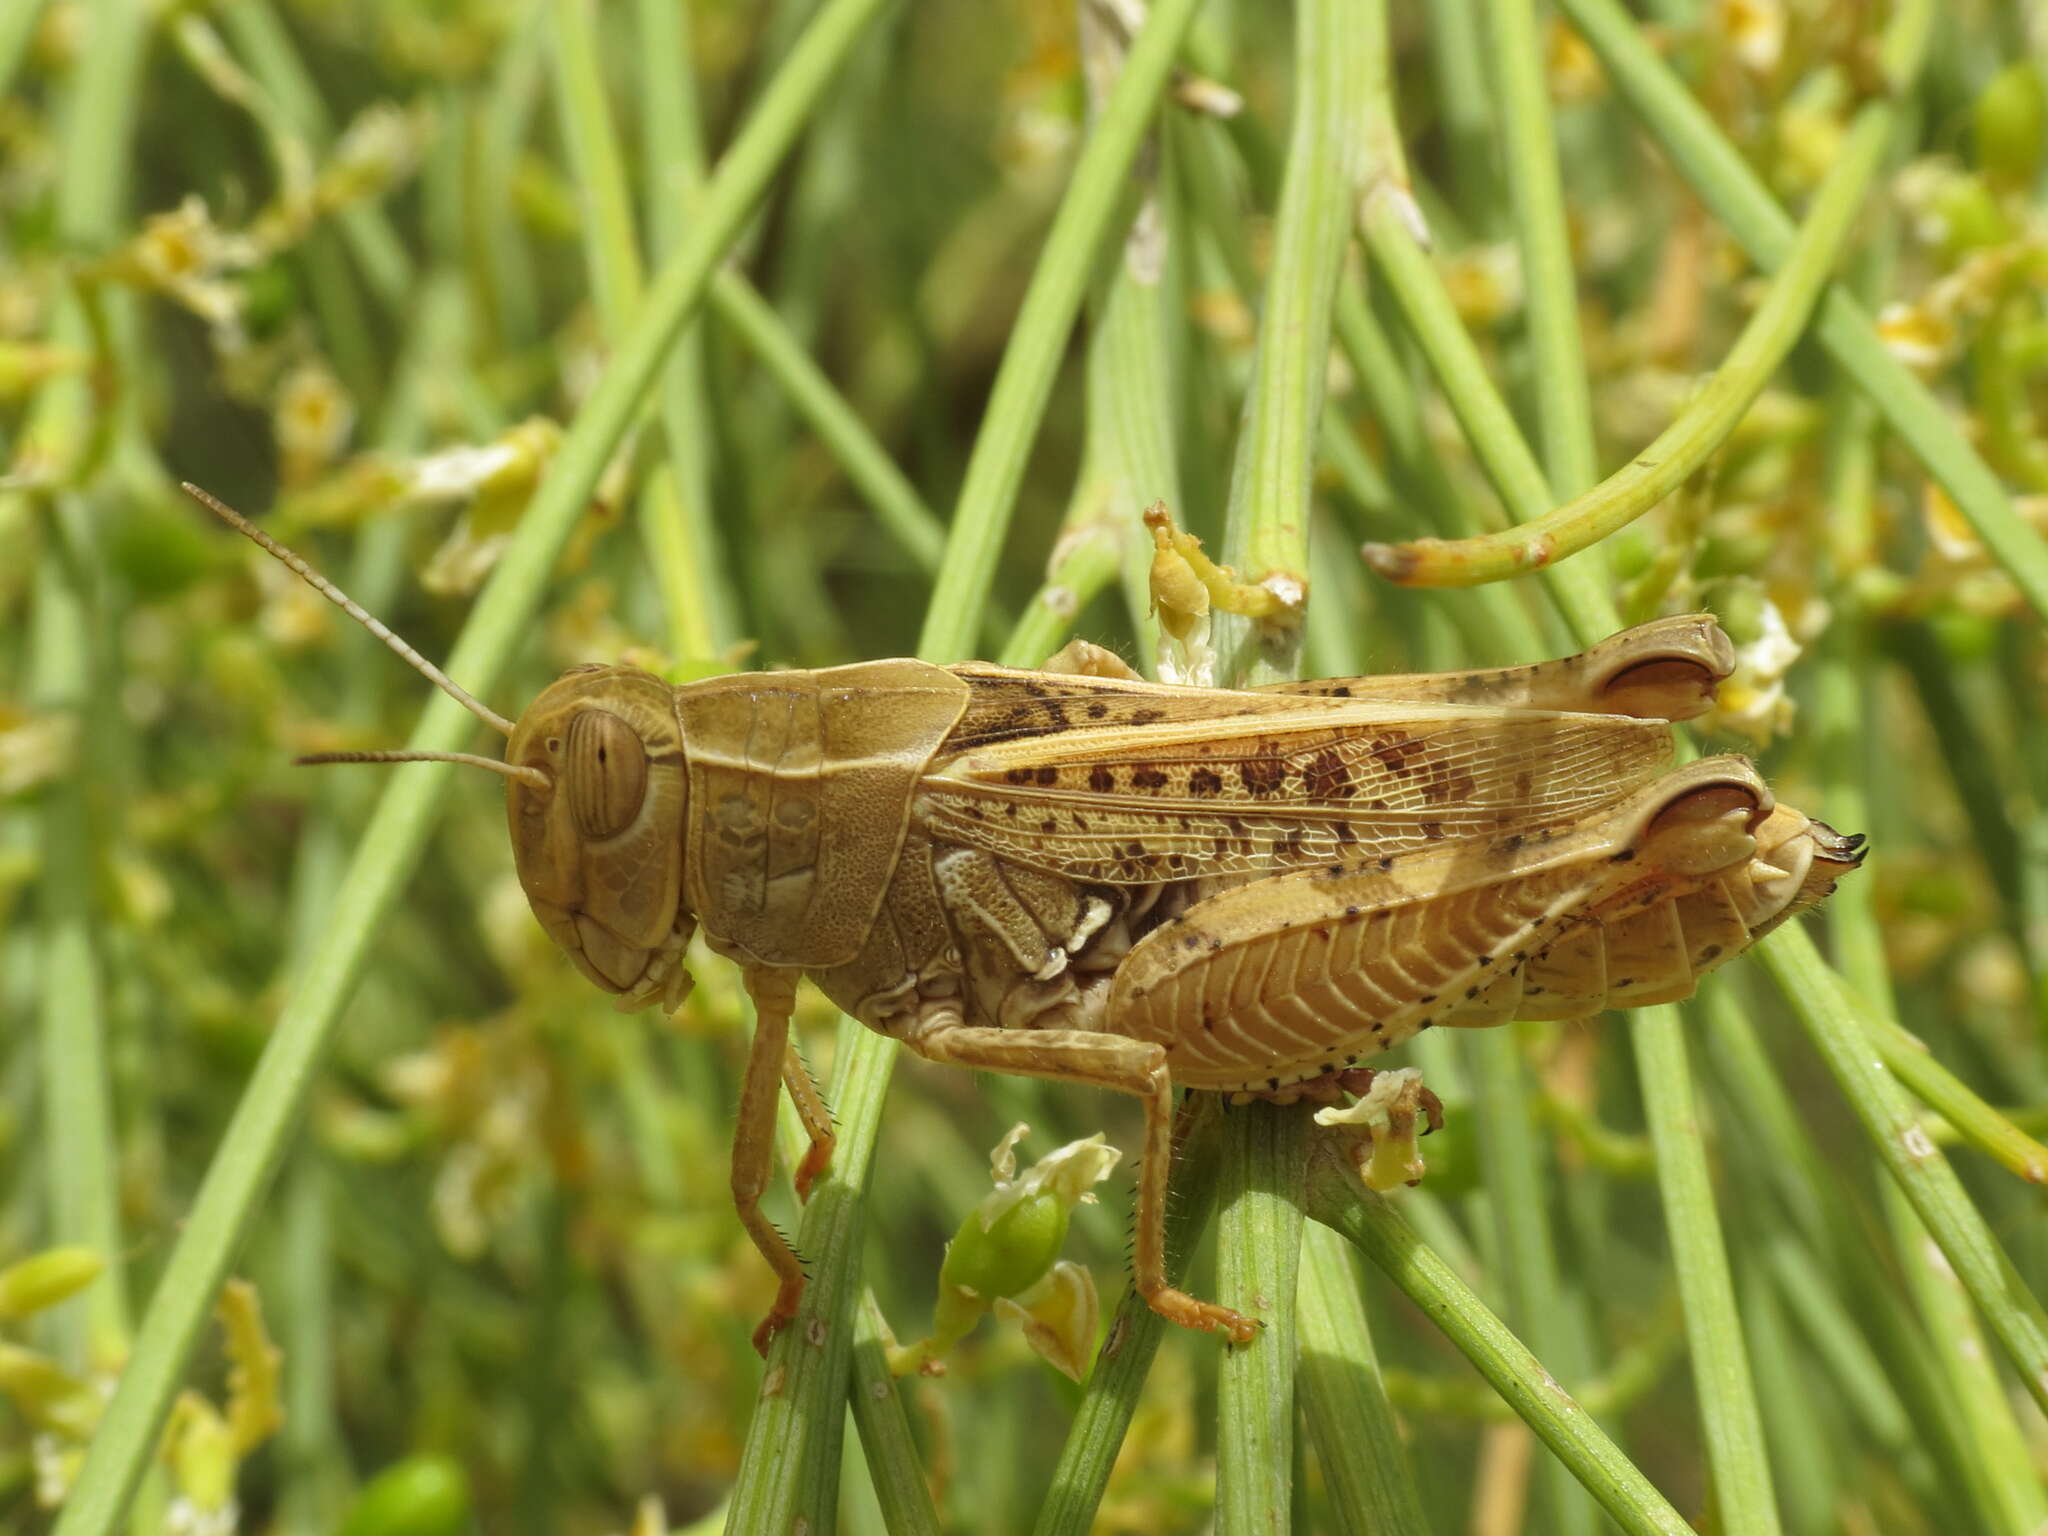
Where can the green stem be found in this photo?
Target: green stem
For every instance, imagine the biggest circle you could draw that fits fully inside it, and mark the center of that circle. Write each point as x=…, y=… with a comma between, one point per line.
x=1984, y=1127
x=789, y=1471
x=884, y=1431
x=2012, y=1484
x=902, y=511
x=1266, y=527
x=1516, y=1166
x=77, y=1092
x=1031, y=361
x=1388, y=223
x=1357, y=1438
x=1378, y=1229
x=688, y=539
x=17, y=25
x=1258, y=1255
x=681, y=542
x=1699, y=430
x=1830, y=1018
x=1729, y=1416
x=1564, y=404
x=1097, y=1434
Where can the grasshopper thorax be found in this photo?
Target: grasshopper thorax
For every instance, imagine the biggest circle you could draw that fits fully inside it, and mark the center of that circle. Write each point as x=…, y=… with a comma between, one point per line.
x=599, y=849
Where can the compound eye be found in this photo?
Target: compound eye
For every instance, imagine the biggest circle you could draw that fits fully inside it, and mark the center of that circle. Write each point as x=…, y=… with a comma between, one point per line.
x=606, y=774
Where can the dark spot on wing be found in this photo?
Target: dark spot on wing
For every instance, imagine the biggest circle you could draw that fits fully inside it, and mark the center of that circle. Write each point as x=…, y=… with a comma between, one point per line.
x=1263, y=775
x=1326, y=777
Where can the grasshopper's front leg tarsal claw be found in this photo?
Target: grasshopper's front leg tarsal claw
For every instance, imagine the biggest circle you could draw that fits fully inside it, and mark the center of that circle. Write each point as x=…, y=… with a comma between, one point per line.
x=1382, y=1126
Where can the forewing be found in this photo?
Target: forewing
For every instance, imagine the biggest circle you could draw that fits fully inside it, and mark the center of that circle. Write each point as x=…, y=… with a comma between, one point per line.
x=1170, y=784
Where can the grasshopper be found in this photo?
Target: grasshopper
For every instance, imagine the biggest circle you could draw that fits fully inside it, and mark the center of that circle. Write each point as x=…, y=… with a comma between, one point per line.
x=1078, y=875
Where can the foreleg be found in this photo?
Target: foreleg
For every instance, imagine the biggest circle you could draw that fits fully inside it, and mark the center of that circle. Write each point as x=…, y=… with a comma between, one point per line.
x=753, y=1150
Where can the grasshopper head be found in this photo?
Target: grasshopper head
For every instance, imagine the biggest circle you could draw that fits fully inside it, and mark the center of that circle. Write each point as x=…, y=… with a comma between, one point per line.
x=600, y=848
x=595, y=793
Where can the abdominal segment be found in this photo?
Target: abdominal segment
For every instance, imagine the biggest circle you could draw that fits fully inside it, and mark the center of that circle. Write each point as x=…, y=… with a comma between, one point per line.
x=1305, y=975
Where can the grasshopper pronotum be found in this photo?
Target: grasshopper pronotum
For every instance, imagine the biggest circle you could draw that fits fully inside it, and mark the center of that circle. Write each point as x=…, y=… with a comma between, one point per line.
x=1078, y=875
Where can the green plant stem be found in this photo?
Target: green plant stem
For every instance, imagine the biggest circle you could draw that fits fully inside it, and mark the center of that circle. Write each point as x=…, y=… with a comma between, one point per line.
x=901, y=510
x=1829, y=1016
x=1499, y=623
x=77, y=1092
x=310, y=1453
x=503, y=261
x=65, y=424
x=269, y=1109
x=675, y=511
x=1738, y=197
x=1729, y=1415
x=1828, y=1216
x=1357, y=1438
x=17, y=26
x=1799, y=1433
x=1129, y=456
x=1111, y=1398
x=1031, y=361
x=1516, y=1166
x=1467, y=106
x=884, y=1431
x=1266, y=527
x=1989, y=1443
x=1972, y=761
x=1699, y=429
x=1087, y=558
x=1378, y=1229
x=1986, y=1128
x=672, y=185
x=2012, y=1482
x=789, y=1471
x=1257, y=1259
x=1387, y=225
x=1528, y=139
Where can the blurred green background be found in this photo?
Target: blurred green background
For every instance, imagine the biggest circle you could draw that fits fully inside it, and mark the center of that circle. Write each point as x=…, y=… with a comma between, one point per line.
x=358, y=267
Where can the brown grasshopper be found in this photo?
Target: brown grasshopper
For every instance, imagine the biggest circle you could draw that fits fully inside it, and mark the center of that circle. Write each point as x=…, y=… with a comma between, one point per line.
x=1078, y=875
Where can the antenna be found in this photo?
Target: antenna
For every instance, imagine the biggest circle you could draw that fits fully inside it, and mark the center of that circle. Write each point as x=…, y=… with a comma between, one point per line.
x=534, y=776
x=355, y=610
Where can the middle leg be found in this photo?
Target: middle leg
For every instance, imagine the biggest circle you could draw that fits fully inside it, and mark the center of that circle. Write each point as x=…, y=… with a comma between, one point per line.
x=1136, y=1067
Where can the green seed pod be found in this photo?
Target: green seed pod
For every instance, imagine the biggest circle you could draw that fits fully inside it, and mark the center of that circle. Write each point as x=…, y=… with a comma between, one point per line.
x=2011, y=125
x=420, y=1496
x=1012, y=1253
